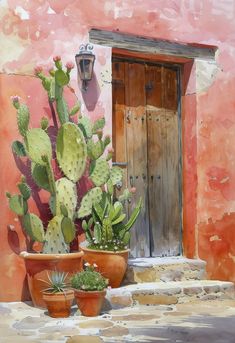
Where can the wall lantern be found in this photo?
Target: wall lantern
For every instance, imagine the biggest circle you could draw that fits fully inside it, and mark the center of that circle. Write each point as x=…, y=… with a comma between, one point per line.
x=85, y=62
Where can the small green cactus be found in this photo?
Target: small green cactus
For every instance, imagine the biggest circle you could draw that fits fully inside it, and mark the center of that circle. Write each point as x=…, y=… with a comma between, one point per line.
x=23, y=119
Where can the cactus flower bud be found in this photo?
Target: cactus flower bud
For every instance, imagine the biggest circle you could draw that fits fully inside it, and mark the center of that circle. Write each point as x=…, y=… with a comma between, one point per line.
x=37, y=70
x=69, y=65
x=15, y=101
x=133, y=190
x=56, y=58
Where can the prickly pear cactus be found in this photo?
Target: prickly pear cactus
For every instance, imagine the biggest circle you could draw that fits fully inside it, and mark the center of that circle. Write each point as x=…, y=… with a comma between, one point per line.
x=38, y=144
x=17, y=204
x=68, y=229
x=39, y=174
x=90, y=198
x=24, y=189
x=85, y=125
x=23, y=119
x=33, y=227
x=100, y=172
x=116, y=175
x=54, y=238
x=18, y=148
x=71, y=151
x=66, y=195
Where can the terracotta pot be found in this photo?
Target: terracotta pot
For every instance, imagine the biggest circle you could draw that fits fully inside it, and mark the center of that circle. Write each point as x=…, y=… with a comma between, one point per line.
x=38, y=265
x=89, y=302
x=59, y=304
x=112, y=265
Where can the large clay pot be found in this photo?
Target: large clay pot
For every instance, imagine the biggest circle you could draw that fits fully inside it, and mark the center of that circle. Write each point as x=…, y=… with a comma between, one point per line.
x=38, y=265
x=89, y=302
x=112, y=265
x=59, y=304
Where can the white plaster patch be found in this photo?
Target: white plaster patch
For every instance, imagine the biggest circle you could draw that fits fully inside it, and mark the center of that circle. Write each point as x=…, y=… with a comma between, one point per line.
x=24, y=15
x=122, y=13
x=11, y=49
x=215, y=238
x=50, y=11
x=206, y=72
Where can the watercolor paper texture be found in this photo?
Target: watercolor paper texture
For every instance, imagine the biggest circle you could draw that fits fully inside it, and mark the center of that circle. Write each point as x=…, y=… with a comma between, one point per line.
x=32, y=32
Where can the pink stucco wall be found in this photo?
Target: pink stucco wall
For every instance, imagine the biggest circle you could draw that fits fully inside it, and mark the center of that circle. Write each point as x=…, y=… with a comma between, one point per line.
x=31, y=32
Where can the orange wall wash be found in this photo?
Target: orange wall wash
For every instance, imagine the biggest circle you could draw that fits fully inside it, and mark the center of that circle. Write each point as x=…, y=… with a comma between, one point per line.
x=32, y=32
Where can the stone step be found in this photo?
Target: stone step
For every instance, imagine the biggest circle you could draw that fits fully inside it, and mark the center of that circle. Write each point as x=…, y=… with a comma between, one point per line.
x=153, y=269
x=155, y=293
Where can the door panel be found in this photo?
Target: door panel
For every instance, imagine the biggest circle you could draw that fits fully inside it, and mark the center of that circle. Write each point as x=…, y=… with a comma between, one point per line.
x=146, y=136
x=137, y=154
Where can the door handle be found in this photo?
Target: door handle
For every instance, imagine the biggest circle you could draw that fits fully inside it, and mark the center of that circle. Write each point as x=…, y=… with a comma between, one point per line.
x=120, y=164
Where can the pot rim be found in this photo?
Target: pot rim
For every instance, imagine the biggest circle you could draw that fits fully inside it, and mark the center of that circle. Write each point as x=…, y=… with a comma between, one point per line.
x=41, y=256
x=66, y=292
x=105, y=251
x=104, y=291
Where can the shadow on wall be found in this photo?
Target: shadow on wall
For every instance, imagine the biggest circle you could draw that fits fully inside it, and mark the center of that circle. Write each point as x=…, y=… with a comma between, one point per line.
x=216, y=246
x=91, y=95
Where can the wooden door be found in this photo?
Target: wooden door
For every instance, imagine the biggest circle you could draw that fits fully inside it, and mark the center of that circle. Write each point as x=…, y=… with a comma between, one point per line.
x=146, y=143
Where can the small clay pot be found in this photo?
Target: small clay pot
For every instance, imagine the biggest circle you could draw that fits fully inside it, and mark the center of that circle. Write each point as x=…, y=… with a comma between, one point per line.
x=112, y=265
x=59, y=304
x=38, y=265
x=89, y=302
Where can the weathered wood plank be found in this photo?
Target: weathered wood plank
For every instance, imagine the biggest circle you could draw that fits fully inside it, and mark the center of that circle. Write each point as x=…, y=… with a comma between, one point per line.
x=137, y=154
x=150, y=45
x=172, y=160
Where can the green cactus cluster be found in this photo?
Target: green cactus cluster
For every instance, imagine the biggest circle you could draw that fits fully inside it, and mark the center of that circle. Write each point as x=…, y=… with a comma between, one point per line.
x=80, y=149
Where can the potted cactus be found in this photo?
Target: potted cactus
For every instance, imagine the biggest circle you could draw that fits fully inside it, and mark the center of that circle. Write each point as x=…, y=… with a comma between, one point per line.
x=58, y=296
x=108, y=241
x=76, y=147
x=89, y=290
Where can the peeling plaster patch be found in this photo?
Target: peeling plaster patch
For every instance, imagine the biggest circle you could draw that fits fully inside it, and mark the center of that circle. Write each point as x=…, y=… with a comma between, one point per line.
x=24, y=15
x=206, y=72
x=11, y=49
x=122, y=13
x=215, y=238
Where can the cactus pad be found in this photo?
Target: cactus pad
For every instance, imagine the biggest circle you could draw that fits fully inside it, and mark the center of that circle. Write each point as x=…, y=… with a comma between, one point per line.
x=116, y=175
x=100, y=172
x=39, y=174
x=33, y=227
x=66, y=194
x=98, y=124
x=54, y=239
x=44, y=123
x=90, y=198
x=23, y=119
x=18, y=148
x=68, y=229
x=95, y=149
x=38, y=144
x=71, y=151
x=62, y=110
x=18, y=204
x=75, y=109
x=24, y=189
x=85, y=125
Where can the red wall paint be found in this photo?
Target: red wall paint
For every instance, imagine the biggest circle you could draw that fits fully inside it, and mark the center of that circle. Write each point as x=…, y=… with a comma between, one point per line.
x=58, y=27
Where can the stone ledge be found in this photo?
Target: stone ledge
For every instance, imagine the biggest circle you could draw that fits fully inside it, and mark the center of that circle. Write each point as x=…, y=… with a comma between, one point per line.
x=153, y=293
x=164, y=269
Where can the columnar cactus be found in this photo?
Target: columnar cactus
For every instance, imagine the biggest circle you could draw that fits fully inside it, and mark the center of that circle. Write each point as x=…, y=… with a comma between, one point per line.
x=80, y=149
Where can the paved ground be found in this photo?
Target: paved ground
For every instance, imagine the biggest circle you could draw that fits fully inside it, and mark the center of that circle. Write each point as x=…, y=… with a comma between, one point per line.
x=202, y=322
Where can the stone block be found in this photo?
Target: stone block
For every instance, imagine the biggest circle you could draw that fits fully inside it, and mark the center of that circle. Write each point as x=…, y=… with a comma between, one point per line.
x=155, y=299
